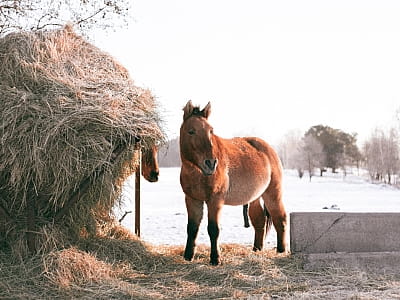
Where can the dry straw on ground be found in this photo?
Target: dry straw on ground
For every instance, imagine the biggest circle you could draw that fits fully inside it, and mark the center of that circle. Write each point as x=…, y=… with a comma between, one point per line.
x=70, y=121
x=116, y=265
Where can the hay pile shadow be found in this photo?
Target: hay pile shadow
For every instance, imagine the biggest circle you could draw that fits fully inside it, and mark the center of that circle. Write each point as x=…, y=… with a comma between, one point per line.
x=71, y=121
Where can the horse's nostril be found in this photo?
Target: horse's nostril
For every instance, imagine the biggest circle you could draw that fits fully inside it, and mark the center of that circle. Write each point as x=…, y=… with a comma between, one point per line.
x=208, y=163
x=154, y=174
x=211, y=163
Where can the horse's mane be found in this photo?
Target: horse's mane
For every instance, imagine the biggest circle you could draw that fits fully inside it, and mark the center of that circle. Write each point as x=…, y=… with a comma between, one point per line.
x=190, y=110
x=196, y=111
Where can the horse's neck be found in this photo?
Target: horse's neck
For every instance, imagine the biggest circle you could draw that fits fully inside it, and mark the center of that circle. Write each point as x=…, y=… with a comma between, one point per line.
x=223, y=158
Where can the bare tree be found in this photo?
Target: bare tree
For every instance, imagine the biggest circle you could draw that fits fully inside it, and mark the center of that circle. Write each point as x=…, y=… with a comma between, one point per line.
x=301, y=152
x=382, y=153
x=391, y=159
x=373, y=158
x=310, y=154
x=287, y=148
x=84, y=15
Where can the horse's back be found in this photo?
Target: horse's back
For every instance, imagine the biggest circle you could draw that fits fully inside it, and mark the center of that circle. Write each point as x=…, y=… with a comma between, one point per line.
x=267, y=149
x=254, y=147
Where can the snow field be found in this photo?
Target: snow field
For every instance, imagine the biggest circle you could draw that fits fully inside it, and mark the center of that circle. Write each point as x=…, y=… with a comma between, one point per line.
x=163, y=211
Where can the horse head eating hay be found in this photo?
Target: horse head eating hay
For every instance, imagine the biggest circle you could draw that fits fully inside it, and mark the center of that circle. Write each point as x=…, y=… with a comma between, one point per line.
x=150, y=169
x=219, y=172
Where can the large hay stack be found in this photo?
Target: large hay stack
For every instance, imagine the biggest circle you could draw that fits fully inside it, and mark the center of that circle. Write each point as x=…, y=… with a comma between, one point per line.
x=70, y=121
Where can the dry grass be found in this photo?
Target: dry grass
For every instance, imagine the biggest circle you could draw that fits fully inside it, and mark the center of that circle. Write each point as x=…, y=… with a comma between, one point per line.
x=117, y=265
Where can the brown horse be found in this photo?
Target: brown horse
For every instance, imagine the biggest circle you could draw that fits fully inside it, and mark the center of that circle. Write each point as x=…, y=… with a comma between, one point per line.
x=150, y=170
x=236, y=171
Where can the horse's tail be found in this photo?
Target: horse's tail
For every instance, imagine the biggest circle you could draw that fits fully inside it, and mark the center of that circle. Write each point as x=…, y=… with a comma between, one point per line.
x=267, y=215
x=268, y=220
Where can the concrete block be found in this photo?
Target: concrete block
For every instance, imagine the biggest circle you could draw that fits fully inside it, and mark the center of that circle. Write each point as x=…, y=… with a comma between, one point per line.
x=326, y=232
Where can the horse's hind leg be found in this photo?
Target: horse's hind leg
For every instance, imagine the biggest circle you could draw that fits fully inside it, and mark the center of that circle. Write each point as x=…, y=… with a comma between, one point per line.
x=195, y=214
x=257, y=217
x=273, y=202
x=246, y=215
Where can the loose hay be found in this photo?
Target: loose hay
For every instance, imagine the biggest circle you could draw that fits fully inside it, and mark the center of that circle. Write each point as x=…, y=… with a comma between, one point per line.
x=72, y=266
x=70, y=122
x=109, y=268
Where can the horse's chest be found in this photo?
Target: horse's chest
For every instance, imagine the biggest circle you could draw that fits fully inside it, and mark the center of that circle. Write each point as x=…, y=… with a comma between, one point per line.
x=201, y=187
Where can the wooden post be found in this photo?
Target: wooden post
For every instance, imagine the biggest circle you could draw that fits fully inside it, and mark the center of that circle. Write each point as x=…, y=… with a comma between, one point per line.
x=137, y=196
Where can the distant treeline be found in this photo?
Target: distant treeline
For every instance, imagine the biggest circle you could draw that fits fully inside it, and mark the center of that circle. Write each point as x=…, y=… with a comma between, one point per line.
x=323, y=147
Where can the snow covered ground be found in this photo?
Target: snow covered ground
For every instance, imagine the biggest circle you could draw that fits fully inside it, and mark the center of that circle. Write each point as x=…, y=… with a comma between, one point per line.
x=163, y=212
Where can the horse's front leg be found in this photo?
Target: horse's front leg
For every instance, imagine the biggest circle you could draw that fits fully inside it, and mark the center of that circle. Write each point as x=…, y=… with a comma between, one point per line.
x=214, y=211
x=195, y=214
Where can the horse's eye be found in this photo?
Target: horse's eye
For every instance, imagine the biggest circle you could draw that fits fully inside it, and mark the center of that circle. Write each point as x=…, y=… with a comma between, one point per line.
x=192, y=132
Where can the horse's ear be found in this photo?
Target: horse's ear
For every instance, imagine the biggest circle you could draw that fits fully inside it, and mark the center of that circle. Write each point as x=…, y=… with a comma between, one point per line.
x=188, y=110
x=206, y=110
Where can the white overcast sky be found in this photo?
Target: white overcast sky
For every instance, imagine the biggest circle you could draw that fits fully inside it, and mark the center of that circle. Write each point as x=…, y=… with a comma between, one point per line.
x=267, y=66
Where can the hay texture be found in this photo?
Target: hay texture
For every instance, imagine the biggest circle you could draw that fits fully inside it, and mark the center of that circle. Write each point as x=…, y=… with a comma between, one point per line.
x=126, y=268
x=71, y=120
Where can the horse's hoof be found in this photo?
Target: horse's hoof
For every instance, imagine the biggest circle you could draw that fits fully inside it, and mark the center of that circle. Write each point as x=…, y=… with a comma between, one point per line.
x=281, y=250
x=255, y=249
x=188, y=258
x=215, y=262
x=188, y=255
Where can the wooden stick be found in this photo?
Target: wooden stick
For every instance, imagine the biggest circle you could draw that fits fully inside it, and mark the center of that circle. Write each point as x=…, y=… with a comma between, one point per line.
x=123, y=217
x=137, y=197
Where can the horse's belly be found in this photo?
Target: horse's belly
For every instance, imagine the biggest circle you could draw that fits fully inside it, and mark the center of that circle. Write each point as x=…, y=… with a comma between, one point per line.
x=240, y=193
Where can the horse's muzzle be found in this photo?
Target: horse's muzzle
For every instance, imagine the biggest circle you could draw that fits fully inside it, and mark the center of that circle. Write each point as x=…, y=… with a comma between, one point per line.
x=154, y=176
x=210, y=166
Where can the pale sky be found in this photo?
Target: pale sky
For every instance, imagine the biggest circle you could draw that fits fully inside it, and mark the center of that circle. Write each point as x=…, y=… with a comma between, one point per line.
x=267, y=66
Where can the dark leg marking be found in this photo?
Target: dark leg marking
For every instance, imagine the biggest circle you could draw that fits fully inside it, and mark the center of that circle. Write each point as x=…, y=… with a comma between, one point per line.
x=192, y=230
x=246, y=215
x=213, y=232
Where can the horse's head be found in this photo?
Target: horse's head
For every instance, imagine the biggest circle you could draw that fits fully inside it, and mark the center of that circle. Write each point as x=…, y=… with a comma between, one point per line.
x=150, y=170
x=197, y=139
